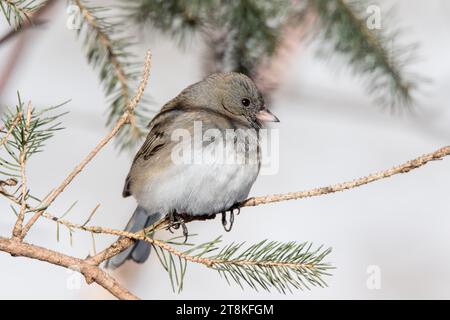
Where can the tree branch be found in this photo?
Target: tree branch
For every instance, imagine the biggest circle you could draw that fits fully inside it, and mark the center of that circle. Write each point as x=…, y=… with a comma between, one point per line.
x=33, y=20
x=17, y=230
x=91, y=272
x=127, y=238
x=89, y=267
x=16, y=247
x=106, y=42
x=403, y=168
x=126, y=117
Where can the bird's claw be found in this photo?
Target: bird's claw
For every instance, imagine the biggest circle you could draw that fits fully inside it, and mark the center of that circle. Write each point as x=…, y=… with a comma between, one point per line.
x=175, y=222
x=224, y=220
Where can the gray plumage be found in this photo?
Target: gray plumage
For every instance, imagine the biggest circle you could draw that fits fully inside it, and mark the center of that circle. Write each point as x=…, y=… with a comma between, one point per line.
x=162, y=184
x=140, y=251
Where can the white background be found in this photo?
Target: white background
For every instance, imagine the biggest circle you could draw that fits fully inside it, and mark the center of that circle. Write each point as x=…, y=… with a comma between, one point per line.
x=330, y=132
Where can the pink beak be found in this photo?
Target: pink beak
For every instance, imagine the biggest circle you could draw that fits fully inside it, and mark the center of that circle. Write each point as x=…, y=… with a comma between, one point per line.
x=265, y=115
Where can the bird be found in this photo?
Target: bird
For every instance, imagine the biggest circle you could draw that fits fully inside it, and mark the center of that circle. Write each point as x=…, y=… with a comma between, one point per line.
x=201, y=156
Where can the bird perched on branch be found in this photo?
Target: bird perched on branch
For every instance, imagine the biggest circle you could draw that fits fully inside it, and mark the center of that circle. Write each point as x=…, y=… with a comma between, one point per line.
x=201, y=156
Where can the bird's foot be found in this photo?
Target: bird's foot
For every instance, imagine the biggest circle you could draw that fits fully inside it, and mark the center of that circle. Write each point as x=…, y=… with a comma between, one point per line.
x=228, y=226
x=175, y=222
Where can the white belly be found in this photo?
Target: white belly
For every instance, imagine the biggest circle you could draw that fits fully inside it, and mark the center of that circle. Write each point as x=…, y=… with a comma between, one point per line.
x=210, y=186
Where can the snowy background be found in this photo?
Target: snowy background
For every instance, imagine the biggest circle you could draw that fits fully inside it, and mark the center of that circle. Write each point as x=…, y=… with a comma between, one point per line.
x=330, y=132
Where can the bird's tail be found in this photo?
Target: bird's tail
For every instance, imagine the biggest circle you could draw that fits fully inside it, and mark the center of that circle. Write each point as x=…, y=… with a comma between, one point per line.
x=140, y=251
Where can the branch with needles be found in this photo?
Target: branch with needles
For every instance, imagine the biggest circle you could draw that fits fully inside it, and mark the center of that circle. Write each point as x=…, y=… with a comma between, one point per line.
x=17, y=247
x=129, y=238
x=263, y=265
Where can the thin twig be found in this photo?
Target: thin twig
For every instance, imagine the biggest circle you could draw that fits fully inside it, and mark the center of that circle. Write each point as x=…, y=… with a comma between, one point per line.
x=128, y=238
x=403, y=168
x=16, y=247
x=106, y=41
x=142, y=236
x=89, y=266
x=120, y=123
x=22, y=162
x=33, y=20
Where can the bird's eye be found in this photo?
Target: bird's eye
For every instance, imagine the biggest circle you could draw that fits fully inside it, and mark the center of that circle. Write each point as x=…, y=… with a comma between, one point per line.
x=245, y=102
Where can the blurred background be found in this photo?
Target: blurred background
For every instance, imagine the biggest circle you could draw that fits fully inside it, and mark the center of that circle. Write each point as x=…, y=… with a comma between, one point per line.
x=332, y=130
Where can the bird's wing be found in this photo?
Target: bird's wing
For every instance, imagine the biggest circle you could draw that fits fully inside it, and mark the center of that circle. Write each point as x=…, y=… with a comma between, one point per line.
x=155, y=141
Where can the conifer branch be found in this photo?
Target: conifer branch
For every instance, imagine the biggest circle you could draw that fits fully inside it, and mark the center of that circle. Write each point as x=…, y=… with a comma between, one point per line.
x=175, y=17
x=109, y=53
x=28, y=137
x=403, y=168
x=22, y=162
x=265, y=265
x=243, y=35
x=125, y=118
x=282, y=266
x=372, y=54
x=287, y=268
x=33, y=20
x=128, y=239
x=25, y=136
x=222, y=262
x=17, y=12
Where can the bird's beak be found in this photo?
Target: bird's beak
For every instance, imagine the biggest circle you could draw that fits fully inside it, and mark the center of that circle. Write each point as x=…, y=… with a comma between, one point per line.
x=265, y=115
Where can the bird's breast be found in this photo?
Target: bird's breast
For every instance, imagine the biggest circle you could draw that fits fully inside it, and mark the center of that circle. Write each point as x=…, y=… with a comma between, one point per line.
x=206, y=177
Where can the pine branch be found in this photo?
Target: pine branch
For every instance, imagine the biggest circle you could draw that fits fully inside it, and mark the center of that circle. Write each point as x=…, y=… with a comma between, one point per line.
x=273, y=265
x=127, y=239
x=176, y=17
x=264, y=265
x=400, y=169
x=372, y=54
x=15, y=245
x=25, y=136
x=108, y=52
x=22, y=162
x=243, y=33
x=253, y=32
x=126, y=117
x=294, y=266
x=239, y=33
x=26, y=132
x=18, y=12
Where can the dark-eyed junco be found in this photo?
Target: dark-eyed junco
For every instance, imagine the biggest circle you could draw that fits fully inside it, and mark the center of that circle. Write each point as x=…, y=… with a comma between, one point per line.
x=200, y=157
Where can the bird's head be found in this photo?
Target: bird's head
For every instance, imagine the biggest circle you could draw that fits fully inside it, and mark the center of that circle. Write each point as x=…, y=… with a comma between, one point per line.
x=236, y=94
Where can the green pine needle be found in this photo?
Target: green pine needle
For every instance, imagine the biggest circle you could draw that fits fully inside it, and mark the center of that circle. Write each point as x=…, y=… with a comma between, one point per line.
x=107, y=51
x=44, y=124
x=265, y=265
x=175, y=17
x=17, y=12
x=243, y=34
x=372, y=54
